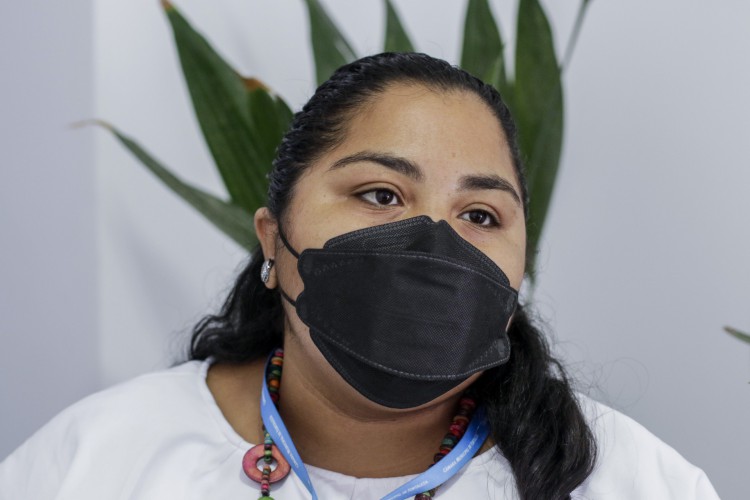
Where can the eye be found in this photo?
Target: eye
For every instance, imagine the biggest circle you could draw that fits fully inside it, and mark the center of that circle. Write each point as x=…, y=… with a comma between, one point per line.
x=380, y=196
x=480, y=218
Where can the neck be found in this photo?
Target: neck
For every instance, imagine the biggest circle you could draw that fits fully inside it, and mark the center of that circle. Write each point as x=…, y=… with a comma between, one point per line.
x=357, y=439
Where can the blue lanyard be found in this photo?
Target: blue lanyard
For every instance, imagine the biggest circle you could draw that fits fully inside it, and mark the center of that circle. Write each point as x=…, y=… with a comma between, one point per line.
x=433, y=477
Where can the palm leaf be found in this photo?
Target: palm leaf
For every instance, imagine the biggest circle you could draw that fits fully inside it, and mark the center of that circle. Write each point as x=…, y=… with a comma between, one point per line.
x=330, y=48
x=219, y=98
x=482, y=50
x=269, y=117
x=737, y=334
x=233, y=220
x=538, y=109
x=396, y=38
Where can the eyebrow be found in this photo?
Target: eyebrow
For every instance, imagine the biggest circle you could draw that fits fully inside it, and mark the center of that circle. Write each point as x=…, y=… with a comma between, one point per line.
x=492, y=181
x=397, y=163
x=410, y=169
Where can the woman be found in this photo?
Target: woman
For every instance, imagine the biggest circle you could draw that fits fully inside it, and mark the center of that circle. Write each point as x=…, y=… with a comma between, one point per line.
x=390, y=254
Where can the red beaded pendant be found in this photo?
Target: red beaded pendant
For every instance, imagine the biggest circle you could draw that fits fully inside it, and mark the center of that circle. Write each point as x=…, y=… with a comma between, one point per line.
x=255, y=455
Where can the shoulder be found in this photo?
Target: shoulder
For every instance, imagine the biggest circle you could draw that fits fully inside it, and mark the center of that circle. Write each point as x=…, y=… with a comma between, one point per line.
x=633, y=463
x=104, y=426
x=146, y=398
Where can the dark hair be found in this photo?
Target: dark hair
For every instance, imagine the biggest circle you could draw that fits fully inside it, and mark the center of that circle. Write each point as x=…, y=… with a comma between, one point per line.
x=534, y=415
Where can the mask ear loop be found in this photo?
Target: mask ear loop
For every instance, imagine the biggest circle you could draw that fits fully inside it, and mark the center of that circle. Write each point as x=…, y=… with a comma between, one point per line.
x=287, y=297
x=296, y=256
x=286, y=243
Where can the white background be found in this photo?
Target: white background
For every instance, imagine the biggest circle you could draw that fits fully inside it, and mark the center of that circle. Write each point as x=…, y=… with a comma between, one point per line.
x=103, y=271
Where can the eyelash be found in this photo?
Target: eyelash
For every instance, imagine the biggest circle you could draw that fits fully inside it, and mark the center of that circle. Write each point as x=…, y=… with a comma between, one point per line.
x=493, y=221
x=374, y=201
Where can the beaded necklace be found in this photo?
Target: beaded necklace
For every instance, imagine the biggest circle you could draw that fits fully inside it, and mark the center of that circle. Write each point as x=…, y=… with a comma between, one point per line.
x=258, y=462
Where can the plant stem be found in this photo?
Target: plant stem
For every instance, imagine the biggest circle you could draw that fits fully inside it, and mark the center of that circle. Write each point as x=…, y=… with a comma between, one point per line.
x=574, y=35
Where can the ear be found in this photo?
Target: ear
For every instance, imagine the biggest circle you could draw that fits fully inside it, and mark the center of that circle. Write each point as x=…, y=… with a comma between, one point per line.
x=266, y=228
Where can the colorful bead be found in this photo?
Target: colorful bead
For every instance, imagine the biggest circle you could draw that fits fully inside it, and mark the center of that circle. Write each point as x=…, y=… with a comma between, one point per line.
x=456, y=431
x=460, y=419
x=449, y=440
x=467, y=402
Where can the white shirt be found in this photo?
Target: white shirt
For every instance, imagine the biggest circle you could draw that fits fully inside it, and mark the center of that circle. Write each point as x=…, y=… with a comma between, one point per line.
x=162, y=436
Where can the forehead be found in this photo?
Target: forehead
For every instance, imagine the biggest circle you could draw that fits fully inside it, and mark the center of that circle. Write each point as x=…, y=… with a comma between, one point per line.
x=446, y=132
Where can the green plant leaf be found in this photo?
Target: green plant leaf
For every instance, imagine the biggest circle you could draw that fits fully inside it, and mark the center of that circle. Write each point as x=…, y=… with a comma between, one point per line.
x=482, y=45
x=396, y=38
x=269, y=118
x=219, y=98
x=738, y=334
x=538, y=108
x=284, y=114
x=497, y=79
x=330, y=48
x=235, y=221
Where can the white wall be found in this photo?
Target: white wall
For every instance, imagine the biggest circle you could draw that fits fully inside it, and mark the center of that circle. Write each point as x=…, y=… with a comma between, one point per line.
x=48, y=307
x=644, y=256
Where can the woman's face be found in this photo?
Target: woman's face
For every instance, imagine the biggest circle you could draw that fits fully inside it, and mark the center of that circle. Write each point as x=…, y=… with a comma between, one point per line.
x=411, y=151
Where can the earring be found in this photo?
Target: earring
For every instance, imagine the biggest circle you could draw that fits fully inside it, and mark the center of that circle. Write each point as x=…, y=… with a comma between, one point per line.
x=265, y=270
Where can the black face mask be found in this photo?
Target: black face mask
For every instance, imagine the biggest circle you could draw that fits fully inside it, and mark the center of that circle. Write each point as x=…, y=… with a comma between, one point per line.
x=405, y=311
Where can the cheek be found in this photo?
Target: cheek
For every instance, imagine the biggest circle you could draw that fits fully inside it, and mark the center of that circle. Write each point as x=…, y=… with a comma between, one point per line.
x=515, y=276
x=514, y=271
x=512, y=260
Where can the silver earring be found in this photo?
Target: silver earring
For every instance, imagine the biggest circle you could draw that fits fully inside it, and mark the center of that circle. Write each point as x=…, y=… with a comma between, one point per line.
x=265, y=270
